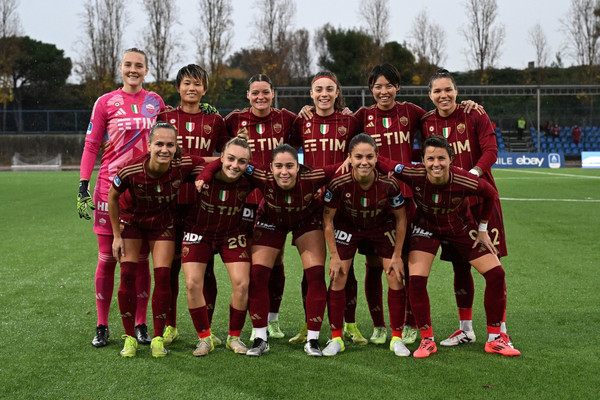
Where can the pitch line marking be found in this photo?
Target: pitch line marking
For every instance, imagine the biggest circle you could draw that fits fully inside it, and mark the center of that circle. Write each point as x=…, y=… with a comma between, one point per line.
x=553, y=174
x=560, y=200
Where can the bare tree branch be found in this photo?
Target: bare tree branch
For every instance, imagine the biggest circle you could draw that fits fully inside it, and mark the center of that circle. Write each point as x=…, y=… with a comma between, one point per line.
x=483, y=38
x=376, y=17
x=581, y=28
x=160, y=43
x=537, y=38
x=104, y=22
x=214, y=39
x=428, y=40
x=10, y=24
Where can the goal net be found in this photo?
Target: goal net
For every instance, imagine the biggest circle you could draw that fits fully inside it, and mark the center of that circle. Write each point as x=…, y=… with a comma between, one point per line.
x=35, y=163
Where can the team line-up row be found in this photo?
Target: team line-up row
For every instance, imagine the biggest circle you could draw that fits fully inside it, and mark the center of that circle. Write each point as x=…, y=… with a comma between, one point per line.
x=244, y=202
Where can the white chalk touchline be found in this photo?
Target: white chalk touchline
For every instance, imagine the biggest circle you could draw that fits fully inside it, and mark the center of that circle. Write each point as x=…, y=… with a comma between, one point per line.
x=565, y=200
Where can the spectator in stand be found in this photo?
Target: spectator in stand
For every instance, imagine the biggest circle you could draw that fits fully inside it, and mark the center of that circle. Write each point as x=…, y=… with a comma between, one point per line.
x=555, y=131
x=576, y=133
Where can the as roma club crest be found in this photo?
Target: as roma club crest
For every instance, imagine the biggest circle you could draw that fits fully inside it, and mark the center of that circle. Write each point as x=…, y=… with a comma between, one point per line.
x=461, y=128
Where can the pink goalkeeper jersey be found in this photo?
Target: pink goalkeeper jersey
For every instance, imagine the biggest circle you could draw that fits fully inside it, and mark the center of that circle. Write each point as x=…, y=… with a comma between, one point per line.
x=124, y=120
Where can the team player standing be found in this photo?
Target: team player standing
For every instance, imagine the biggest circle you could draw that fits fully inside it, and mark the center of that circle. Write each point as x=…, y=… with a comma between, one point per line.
x=282, y=175
x=120, y=125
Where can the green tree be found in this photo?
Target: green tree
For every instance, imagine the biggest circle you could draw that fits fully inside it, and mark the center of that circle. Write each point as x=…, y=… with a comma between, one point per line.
x=349, y=53
x=28, y=65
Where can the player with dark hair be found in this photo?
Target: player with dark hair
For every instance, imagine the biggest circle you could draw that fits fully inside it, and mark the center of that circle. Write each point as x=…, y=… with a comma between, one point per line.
x=473, y=141
x=393, y=125
x=141, y=208
x=213, y=225
x=441, y=192
x=289, y=205
x=265, y=128
x=324, y=137
x=363, y=206
x=200, y=131
x=120, y=124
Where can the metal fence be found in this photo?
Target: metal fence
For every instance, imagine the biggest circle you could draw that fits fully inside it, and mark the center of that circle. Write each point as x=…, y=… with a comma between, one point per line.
x=44, y=121
x=76, y=121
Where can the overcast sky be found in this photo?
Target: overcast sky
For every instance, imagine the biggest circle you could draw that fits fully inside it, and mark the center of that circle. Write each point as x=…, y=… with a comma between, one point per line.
x=59, y=22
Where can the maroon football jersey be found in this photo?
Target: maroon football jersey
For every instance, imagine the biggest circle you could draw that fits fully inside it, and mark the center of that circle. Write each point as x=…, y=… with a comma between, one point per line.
x=264, y=134
x=471, y=136
x=149, y=201
x=287, y=208
x=444, y=209
x=324, y=140
x=393, y=131
x=218, y=209
x=197, y=134
x=363, y=209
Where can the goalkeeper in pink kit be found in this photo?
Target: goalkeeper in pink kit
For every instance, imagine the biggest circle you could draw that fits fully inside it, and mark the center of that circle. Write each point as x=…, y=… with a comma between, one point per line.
x=120, y=123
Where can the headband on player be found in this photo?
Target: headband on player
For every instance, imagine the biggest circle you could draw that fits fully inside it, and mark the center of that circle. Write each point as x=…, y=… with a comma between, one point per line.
x=326, y=77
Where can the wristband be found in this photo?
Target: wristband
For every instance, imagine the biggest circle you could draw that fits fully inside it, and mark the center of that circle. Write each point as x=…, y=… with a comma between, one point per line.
x=474, y=172
x=482, y=227
x=83, y=185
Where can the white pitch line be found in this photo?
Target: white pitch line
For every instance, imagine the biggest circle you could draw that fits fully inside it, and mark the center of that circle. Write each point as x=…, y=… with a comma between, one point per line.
x=561, y=200
x=553, y=174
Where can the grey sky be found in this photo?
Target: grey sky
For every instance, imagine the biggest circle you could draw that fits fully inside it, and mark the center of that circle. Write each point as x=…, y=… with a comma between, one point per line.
x=59, y=22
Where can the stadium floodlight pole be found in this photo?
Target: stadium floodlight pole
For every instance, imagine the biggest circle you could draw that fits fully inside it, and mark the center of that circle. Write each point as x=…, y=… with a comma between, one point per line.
x=538, y=119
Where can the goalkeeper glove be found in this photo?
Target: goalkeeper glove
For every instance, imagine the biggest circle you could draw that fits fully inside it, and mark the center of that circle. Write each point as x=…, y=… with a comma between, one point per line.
x=208, y=109
x=84, y=200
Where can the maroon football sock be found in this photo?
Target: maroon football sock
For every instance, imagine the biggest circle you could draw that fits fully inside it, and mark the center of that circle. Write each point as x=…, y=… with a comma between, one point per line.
x=495, y=296
x=464, y=288
x=161, y=299
x=258, y=295
x=351, y=289
x=126, y=297
x=174, y=282
x=304, y=288
x=143, y=285
x=236, y=321
x=210, y=288
x=374, y=294
x=276, y=287
x=335, y=308
x=316, y=298
x=419, y=300
x=396, y=307
x=200, y=319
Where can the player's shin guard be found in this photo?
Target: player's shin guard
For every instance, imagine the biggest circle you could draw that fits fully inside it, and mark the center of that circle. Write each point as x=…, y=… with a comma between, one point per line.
x=210, y=288
x=200, y=320
x=258, y=295
x=494, y=298
x=351, y=289
x=316, y=298
x=419, y=300
x=161, y=299
x=374, y=293
x=236, y=321
x=127, y=298
x=276, y=287
x=143, y=285
x=396, y=307
x=104, y=279
x=336, y=299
